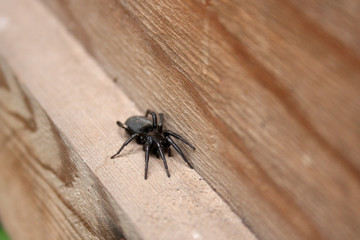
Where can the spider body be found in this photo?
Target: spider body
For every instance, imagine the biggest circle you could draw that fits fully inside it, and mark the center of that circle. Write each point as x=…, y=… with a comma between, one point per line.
x=150, y=134
x=138, y=124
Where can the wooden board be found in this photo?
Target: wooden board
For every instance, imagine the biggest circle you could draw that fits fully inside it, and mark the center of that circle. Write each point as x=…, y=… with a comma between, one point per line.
x=57, y=181
x=47, y=192
x=268, y=90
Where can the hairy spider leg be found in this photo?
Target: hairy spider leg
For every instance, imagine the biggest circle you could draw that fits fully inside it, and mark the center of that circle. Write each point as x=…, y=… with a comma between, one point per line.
x=147, y=147
x=162, y=156
x=161, y=121
x=125, y=143
x=178, y=150
x=167, y=133
x=153, y=115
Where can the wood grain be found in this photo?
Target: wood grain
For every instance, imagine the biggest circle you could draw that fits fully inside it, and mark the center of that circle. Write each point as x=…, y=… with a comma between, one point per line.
x=59, y=133
x=46, y=189
x=267, y=89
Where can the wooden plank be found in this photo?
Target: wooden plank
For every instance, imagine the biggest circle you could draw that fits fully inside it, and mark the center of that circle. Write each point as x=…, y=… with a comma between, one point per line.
x=58, y=129
x=47, y=191
x=269, y=88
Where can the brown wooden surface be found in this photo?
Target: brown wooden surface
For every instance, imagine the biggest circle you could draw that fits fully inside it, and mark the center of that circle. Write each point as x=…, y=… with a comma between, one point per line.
x=268, y=90
x=57, y=132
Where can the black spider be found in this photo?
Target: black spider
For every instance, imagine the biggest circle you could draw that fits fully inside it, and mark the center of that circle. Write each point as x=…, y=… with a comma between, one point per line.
x=151, y=135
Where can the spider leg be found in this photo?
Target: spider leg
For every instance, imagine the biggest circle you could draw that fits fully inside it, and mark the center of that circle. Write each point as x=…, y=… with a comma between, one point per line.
x=169, y=152
x=178, y=150
x=121, y=125
x=125, y=143
x=148, y=112
x=161, y=121
x=175, y=135
x=153, y=115
x=162, y=157
x=147, y=147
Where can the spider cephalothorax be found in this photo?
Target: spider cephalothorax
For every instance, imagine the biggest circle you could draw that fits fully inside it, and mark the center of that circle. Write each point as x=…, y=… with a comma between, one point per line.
x=151, y=135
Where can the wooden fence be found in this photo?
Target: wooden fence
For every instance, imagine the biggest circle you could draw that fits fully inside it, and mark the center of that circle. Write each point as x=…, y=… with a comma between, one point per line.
x=268, y=92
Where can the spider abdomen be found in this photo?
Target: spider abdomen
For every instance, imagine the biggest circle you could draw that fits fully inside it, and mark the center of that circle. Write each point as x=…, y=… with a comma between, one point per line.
x=138, y=124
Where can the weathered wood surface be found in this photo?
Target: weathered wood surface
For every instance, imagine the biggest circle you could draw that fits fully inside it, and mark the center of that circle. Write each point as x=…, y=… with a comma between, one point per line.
x=57, y=116
x=46, y=190
x=268, y=89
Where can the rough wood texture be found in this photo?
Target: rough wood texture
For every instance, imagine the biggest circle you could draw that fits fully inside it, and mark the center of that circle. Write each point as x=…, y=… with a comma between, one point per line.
x=57, y=116
x=46, y=189
x=269, y=89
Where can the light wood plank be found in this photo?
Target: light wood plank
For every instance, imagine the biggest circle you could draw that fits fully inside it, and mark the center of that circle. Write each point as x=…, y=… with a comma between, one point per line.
x=46, y=190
